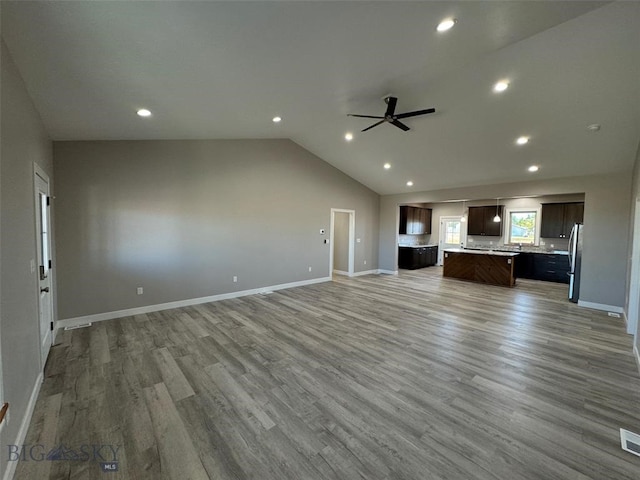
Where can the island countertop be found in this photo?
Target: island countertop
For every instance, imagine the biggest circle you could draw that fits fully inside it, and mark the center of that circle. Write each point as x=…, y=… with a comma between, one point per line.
x=482, y=252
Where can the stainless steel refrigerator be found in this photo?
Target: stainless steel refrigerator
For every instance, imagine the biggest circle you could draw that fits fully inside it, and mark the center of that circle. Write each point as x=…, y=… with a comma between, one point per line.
x=575, y=261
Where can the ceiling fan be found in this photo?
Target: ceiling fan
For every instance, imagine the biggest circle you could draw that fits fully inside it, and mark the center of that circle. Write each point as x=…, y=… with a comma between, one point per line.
x=391, y=117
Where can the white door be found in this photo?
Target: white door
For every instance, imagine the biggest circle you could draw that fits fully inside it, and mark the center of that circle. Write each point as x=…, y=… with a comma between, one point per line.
x=451, y=235
x=43, y=255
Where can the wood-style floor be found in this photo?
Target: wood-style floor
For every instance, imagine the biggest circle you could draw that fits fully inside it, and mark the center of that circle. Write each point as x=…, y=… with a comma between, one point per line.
x=378, y=377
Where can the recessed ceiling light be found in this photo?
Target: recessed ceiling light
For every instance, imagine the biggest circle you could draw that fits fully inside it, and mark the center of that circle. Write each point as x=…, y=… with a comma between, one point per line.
x=348, y=136
x=522, y=140
x=533, y=168
x=143, y=112
x=409, y=183
x=501, y=86
x=277, y=119
x=446, y=24
x=387, y=166
x=594, y=127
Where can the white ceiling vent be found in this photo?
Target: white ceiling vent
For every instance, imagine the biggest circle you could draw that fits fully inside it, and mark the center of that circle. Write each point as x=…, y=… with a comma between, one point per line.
x=630, y=441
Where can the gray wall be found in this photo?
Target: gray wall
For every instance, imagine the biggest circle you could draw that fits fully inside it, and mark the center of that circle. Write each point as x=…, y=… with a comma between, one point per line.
x=607, y=210
x=341, y=242
x=23, y=141
x=181, y=218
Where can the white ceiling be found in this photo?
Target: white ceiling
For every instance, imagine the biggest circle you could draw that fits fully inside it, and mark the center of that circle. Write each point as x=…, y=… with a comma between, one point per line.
x=224, y=69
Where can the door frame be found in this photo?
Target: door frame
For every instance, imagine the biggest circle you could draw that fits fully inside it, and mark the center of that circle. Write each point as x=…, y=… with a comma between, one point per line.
x=442, y=234
x=352, y=243
x=38, y=172
x=634, y=281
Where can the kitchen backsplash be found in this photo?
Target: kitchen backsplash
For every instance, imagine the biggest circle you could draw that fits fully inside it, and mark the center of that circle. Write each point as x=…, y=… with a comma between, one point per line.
x=546, y=244
x=414, y=239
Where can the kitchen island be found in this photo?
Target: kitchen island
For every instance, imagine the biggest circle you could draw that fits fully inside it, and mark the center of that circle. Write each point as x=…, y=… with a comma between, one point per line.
x=482, y=266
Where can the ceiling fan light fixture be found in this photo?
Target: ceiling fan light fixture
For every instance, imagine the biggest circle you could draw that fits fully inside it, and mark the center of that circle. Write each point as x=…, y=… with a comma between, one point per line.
x=276, y=119
x=446, y=24
x=522, y=140
x=409, y=183
x=143, y=112
x=533, y=168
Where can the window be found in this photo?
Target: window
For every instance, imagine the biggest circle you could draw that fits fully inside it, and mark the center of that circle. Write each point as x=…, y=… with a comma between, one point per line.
x=452, y=235
x=523, y=227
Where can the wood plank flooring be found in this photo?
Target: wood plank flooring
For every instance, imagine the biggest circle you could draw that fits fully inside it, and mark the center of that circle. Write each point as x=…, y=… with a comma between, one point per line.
x=402, y=377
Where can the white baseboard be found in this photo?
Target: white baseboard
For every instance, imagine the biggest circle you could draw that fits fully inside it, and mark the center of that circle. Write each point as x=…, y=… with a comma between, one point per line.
x=24, y=426
x=98, y=317
x=388, y=272
x=341, y=272
x=366, y=272
x=637, y=355
x=601, y=306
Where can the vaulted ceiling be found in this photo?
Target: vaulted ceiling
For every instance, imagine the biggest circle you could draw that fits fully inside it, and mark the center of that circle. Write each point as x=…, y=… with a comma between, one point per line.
x=225, y=69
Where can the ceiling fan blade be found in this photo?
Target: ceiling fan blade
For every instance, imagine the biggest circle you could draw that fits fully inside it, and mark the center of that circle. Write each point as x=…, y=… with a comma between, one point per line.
x=400, y=125
x=416, y=113
x=391, y=105
x=374, y=125
x=361, y=116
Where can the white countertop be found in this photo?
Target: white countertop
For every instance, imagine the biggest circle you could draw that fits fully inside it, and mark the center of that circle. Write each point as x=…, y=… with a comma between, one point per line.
x=482, y=252
x=418, y=246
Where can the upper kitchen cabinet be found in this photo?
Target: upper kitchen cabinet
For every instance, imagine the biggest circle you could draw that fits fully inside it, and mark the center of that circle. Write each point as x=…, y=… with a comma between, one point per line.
x=480, y=221
x=414, y=220
x=558, y=218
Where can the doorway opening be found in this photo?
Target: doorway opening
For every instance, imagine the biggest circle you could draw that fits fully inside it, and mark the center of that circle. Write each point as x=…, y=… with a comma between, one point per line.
x=43, y=256
x=634, y=284
x=453, y=234
x=342, y=242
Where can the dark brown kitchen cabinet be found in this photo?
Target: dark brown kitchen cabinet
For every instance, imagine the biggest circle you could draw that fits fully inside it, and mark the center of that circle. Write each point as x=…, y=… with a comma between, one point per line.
x=542, y=266
x=559, y=218
x=480, y=221
x=414, y=220
x=417, y=257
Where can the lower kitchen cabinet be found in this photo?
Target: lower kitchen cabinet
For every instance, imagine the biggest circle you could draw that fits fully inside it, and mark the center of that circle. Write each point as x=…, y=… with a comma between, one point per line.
x=542, y=266
x=417, y=257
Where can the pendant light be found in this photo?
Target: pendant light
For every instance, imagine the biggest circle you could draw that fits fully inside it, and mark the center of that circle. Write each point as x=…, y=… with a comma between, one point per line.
x=497, y=218
x=463, y=217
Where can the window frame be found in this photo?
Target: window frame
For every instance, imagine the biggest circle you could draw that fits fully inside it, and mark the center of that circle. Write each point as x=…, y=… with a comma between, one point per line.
x=507, y=230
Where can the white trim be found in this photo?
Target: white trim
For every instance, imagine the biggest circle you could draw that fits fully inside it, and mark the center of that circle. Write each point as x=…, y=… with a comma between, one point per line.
x=366, y=272
x=24, y=426
x=637, y=355
x=633, y=300
x=507, y=223
x=341, y=272
x=38, y=172
x=601, y=306
x=443, y=233
x=352, y=240
x=98, y=317
x=388, y=272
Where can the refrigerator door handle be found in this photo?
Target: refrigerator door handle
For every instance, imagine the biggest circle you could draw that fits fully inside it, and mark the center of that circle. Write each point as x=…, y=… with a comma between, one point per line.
x=572, y=250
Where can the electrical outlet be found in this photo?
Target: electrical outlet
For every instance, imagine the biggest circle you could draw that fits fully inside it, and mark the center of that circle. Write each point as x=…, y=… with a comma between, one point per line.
x=357, y=240
x=309, y=268
x=139, y=290
x=235, y=279
x=365, y=262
